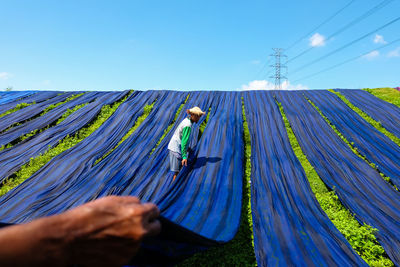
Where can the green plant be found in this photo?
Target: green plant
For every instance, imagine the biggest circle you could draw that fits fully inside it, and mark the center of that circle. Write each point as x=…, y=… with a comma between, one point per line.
x=166, y=131
x=146, y=111
x=240, y=250
x=387, y=94
x=360, y=237
x=36, y=131
x=36, y=163
x=16, y=108
x=351, y=145
x=367, y=118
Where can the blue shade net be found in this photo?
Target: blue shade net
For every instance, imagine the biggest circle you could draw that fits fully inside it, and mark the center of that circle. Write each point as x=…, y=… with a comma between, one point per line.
x=359, y=187
x=370, y=142
x=215, y=172
x=34, y=98
x=290, y=228
x=384, y=112
x=67, y=165
x=7, y=97
x=11, y=159
x=20, y=116
x=45, y=120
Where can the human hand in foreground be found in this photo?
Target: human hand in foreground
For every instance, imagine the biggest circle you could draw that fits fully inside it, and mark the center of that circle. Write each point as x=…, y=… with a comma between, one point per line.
x=184, y=162
x=105, y=232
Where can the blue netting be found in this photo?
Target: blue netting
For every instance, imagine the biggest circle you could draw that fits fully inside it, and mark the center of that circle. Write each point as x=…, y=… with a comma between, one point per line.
x=13, y=158
x=370, y=142
x=386, y=113
x=290, y=228
x=359, y=187
x=36, y=97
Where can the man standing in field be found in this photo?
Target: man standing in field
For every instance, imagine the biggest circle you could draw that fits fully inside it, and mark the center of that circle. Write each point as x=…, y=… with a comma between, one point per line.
x=178, y=145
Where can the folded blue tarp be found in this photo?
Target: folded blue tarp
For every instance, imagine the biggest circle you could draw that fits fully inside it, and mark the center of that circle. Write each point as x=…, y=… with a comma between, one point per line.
x=34, y=98
x=359, y=187
x=13, y=158
x=290, y=228
x=370, y=142
x=384, y=112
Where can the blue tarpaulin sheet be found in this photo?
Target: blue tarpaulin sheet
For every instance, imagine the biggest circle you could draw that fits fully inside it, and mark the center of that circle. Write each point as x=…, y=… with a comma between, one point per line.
x=217, y=173
x=46, y=119
x=359, y=187
x=34, y=98
x=202, y=207
x=384, y=112
x=7, y=97
x=290, y=228
x=13, y=158
x=31, y=111
x=370, y=142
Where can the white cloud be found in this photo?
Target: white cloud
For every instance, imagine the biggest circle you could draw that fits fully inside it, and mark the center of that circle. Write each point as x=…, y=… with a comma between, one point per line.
x=317, y=40
x=5, y=75
x=371, y=55
x=394, y=53
x=379, y=39
x=255, y=62
x=266, y=85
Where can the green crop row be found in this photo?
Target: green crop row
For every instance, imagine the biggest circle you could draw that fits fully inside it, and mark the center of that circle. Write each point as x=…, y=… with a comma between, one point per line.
x=390, y=95
x=50, y=107
x=204, y=124
x=34, y=132
x=16, y=108
x=351, y=145
x=360, y=237
x=171, y=124
x=367, y=118
x=240, y=250
x=36, y=163
x=146, y=111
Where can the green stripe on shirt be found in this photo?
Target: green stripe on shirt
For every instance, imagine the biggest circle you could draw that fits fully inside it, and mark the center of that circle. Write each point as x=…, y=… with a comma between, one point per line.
x=185, y=141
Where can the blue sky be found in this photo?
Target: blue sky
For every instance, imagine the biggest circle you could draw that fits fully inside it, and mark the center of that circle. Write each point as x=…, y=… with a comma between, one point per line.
x=192, y=45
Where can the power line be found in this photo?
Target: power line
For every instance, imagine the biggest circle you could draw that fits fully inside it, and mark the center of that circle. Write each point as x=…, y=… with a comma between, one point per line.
x=347, y=61
x=320, y=25
x=278, y=66
x=346, y=45
x=348, y=25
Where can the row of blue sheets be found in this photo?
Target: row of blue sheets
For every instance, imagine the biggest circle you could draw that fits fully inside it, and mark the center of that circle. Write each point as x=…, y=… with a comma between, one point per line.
x=11, y=159
x=384, y=112
x=217, y=176
x=31, y=111
x=359, y=187
x=65, y=167
x=7, y=97
x=290, y=228
x=34, y=98
x=81, y=186
x=370, y=142
x=47, y=119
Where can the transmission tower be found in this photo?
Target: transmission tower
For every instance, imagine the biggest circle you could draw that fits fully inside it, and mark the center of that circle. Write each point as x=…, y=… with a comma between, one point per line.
x=278, y=66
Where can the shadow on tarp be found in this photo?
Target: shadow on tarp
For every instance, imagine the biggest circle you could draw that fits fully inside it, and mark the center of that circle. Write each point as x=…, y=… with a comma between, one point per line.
x=171, y=246
x=202, y=161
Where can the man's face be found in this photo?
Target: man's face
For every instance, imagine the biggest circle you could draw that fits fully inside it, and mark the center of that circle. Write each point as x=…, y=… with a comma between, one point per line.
x=195, y=118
